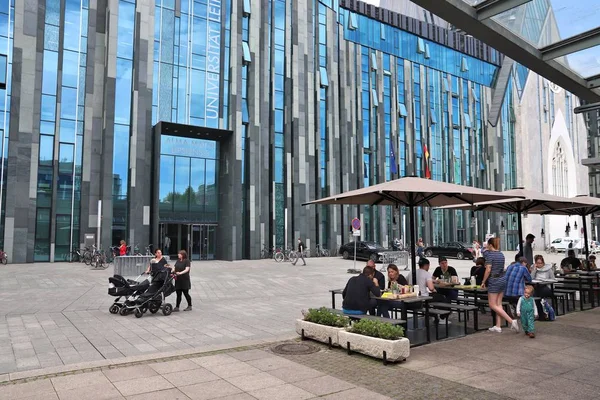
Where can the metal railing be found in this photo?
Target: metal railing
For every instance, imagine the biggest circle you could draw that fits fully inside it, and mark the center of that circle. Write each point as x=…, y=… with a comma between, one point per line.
x=400, y=258
x=132, y=265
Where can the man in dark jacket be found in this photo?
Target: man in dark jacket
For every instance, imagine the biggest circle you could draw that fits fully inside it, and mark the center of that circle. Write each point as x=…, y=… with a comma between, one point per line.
x=358, y=291
x=377, y=274
x=300, y=252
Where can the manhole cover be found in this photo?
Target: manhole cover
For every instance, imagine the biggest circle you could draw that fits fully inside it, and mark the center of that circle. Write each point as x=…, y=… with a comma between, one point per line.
x=295, y=348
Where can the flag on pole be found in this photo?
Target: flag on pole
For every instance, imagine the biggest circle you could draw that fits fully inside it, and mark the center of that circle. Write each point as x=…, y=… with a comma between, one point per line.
x=427, y=171
x=393, y=165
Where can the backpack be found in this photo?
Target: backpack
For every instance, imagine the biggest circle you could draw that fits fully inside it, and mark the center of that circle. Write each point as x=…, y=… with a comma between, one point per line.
x=548, y=310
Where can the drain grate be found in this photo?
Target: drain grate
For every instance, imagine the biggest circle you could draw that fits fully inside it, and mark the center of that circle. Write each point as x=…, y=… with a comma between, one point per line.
x=295, y=349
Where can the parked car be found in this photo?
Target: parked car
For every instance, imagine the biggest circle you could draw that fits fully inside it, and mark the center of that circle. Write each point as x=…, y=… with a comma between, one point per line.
x=562, y=244
x=364, y=250
x=451, y=249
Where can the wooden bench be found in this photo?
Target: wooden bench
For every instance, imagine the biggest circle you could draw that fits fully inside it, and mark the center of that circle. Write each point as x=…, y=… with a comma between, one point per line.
x=567, y=293
x=437, y=313
x=357, y=317
x=459, y=308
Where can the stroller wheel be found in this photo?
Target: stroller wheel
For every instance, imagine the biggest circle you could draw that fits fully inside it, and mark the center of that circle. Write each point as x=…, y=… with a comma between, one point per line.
x=114, y=309
x=139, y=313
x=154, y=308
x=167, y=309
x=124, y=311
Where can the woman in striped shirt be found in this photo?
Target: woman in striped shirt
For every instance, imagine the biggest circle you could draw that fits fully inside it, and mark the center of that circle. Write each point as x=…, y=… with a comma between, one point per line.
x=495, y=281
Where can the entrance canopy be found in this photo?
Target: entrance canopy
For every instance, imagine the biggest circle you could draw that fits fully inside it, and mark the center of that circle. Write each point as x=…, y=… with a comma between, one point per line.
x=557, y=39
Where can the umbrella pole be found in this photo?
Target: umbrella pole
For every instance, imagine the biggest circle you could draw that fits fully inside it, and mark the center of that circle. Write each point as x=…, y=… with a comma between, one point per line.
x=585, y=237
x=413, y=244
x=520, y=225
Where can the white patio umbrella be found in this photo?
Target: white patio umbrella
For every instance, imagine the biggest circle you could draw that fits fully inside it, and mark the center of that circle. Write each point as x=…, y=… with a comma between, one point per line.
x=413, y=192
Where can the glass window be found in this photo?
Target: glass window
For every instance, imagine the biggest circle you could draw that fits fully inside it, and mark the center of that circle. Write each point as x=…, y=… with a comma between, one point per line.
x=125, y=30
x=427, y=54
x=67, y=131
x=432, y=117
x=48, y=108
x=46, y=149
x=246, y=57
x=464, y=66
x=197, y=183
x=123, y=88
x=63, y=230
x=402, y=110
x=247, y=8
x=182, y=183
x=167, y=182
x=211, y=201
x=467, y=119
x=324, y=79
x=352, y=23
x=50, y=72
x=70, y=68
x=374, y=61
x=68, y=103
x=245, y=114
x=65, y=158
x=374, y=98
x=121, y=160
x=420, y=46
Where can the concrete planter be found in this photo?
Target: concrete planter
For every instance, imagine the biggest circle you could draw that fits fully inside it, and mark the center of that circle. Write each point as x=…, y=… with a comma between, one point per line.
x=388, y=350
x=320, y=333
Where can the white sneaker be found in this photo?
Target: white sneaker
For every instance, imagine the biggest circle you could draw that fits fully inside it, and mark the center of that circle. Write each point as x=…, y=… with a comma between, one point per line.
x=515, y=326
x=495, y=329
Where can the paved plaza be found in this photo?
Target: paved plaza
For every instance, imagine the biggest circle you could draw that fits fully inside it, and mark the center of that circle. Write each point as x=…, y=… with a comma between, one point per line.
x=57, y=314
x=58, y=338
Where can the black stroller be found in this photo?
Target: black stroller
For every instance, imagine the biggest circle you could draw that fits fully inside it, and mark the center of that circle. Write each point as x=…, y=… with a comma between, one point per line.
x=153, y=299
x=120, y=287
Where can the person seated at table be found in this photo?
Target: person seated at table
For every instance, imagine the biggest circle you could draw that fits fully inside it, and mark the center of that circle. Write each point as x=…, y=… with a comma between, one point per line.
x=358, y=291
x=394, y=275
x=425, y=282
x=378, y=275
x=517, y=275
x=592, y=263
x=478, y=270
x=571, y=262
x=448, y=274
x=542, y=271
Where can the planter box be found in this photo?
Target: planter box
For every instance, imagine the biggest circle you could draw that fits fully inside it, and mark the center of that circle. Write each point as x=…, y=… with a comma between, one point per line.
x=320, y=333
x=388, y=350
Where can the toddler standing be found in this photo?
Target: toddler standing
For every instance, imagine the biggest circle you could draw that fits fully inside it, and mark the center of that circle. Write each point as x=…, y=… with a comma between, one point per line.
x=527, y=310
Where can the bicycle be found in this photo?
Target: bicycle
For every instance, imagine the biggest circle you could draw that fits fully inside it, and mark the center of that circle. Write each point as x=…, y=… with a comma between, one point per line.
x=75, y=255
x=149, y=249
x=321, y=252
x=88, y=253
x=285, y=255
x=550, y=249
x=266, y=252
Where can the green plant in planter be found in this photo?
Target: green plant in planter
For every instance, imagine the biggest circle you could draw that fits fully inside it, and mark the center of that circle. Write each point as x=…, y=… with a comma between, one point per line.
x=322, y=316
x=377, y=329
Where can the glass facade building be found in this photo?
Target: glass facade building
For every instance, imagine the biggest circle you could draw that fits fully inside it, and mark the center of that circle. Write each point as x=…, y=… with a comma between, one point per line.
x=206, y=124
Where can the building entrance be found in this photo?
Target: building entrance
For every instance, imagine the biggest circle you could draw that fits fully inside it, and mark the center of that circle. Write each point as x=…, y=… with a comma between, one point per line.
x=199, y=240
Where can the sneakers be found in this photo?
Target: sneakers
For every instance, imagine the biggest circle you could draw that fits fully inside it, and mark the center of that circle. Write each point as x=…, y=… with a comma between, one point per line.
x=515, y=326
x=531, y=335
x=189, y=308
x=176, y=309
x=495, y=329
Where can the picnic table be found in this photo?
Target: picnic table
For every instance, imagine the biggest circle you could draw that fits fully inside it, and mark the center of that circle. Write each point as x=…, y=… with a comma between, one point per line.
x=583, y=282
x=546, y=282
x=401, y=305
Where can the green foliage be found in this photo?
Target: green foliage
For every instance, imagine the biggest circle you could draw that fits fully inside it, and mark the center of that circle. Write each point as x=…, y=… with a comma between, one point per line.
x=322, y=316
x=377, y=329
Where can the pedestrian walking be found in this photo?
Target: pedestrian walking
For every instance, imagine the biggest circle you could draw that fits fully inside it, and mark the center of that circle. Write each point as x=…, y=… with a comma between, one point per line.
x=527, y=311
x=183, y=283
x=300, y=253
